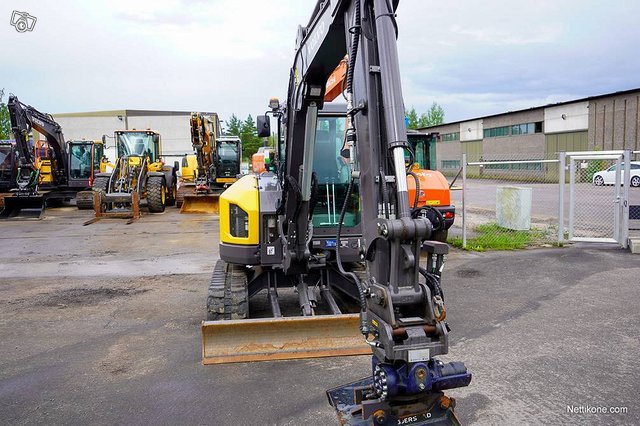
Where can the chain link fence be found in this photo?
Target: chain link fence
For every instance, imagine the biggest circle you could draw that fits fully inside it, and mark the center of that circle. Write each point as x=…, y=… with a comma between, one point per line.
x=511, y=202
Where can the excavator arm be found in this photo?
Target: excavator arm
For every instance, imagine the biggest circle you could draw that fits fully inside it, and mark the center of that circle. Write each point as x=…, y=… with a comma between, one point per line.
x=24, y=118
x=403, y=313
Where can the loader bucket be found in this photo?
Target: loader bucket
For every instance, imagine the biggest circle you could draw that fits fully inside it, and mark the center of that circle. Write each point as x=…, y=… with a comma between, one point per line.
x=282, y=338
x=202, y=204
x=23, y=207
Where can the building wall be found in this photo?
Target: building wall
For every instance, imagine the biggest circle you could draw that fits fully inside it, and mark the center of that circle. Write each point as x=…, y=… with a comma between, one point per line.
x=614, y=122
x=447, y=152
x=174, y=128
x=175, y=132
x=566, y=118
x=471, y=130
x=526, y=147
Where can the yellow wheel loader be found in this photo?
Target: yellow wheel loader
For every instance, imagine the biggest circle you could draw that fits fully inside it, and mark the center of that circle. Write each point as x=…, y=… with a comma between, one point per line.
x=140, y=178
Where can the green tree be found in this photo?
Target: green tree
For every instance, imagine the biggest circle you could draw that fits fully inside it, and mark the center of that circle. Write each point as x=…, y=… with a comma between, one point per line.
x=433, y=117
x=249, y=136
x=234, y=126
x=5, y=122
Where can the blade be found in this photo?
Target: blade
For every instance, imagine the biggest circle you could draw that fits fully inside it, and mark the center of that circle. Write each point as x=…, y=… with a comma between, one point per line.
x=202, y=204
x=282, y=338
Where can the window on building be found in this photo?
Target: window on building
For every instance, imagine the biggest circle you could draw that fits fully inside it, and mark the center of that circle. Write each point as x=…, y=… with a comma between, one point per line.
x=526, y=128
x=495, y=132
x=450, y=164
x=448, y=137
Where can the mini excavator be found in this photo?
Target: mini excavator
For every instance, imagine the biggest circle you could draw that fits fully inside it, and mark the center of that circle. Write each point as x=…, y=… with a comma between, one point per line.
x=276, y=232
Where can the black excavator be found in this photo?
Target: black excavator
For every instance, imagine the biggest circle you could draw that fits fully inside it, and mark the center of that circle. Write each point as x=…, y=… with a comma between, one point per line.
x=271, y=240
x=8, y=165
x=69, y=167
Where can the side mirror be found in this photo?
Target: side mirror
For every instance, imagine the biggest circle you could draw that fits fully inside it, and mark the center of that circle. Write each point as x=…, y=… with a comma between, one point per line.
x=264, y=126
x=104, y=140
x=176, y=166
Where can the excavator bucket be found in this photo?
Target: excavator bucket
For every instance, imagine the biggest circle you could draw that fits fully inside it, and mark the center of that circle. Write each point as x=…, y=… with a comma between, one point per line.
x=202, y=204
x=23, y=207
x=271, y=339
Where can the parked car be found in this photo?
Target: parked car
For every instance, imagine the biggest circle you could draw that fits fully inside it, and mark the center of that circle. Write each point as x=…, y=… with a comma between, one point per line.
x=608, y=176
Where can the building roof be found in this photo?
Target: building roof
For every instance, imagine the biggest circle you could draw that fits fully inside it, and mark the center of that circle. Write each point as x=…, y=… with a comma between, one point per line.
x=126, y=113
x=590, y=98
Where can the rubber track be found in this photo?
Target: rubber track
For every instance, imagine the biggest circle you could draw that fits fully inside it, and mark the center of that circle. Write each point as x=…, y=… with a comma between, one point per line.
x=228, y=293
x=84, y=200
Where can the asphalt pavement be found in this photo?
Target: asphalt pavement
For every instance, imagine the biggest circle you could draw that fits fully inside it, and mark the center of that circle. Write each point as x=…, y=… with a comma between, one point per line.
x=100, y=325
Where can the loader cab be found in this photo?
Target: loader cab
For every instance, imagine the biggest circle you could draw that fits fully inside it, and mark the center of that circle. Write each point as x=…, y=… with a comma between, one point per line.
x=8, y=166
x=424, y=148
x=138, y=143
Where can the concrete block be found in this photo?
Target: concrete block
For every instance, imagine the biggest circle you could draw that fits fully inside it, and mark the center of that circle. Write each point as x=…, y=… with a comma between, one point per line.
x=634, y=245
x=513, y=207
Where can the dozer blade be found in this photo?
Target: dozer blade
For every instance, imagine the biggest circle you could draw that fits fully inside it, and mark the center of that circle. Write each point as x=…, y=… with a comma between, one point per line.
x=23, y=207
x=202, y=204
x=282, y=338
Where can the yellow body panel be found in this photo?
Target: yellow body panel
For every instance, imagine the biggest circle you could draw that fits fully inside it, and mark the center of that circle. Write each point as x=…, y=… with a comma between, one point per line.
x=190, y=171
x=44, y=166
x=225, y=180
x=243, y=193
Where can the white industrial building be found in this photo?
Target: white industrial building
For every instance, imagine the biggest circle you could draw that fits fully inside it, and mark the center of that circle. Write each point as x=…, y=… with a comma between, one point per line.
x=173, y=126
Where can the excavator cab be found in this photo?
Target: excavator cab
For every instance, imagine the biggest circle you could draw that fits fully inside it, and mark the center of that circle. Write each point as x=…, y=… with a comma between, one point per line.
x=8, y=166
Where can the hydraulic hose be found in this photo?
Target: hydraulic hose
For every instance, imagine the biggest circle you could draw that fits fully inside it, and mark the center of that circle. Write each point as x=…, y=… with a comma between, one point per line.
x=432, y=283
x=354, y=277
x=385, y=193
x=355, y=31
x=416, y=198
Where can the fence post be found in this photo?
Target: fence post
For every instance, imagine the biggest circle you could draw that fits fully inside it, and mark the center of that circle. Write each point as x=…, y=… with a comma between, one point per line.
x=561, y=180
x=572, y=195
x=625, y=199
x=464, y=205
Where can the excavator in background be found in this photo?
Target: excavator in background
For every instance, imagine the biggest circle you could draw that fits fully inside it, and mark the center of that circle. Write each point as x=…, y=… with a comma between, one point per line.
x=262, y=160
x=428, y=188
x=218, y=166
x=50, y=171
x=273, y=238
x=8, y=165
x=140, y=178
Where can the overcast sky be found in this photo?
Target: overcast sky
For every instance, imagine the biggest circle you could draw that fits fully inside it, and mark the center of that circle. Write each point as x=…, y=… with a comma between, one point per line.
x=472, y=57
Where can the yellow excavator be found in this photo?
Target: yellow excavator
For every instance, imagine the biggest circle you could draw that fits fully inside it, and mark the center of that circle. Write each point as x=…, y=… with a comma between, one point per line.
x=335, y=228
x=218, y=165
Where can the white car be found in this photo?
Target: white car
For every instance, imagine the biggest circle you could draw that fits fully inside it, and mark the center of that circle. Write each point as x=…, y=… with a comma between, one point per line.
x=608, y=177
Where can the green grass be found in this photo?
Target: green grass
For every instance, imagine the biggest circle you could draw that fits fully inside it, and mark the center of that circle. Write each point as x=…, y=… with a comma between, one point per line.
x=492, y=237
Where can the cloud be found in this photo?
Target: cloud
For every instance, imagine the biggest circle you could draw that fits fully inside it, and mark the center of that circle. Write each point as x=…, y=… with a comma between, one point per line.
x=474, y=58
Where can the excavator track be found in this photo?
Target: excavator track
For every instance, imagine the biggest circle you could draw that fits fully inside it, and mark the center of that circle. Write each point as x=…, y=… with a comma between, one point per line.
x=228, y=293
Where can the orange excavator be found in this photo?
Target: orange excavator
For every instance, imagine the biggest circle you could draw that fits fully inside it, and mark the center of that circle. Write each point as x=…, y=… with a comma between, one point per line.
x=428, y=189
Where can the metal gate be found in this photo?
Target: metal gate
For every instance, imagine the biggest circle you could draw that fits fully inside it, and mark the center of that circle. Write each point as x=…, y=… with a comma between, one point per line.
x=598, y=204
